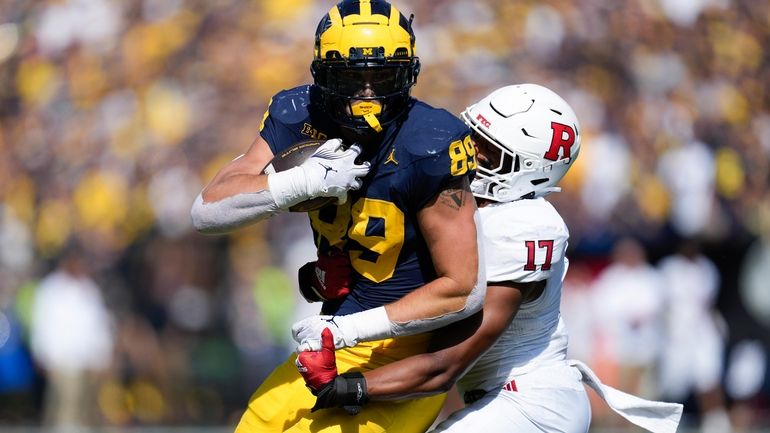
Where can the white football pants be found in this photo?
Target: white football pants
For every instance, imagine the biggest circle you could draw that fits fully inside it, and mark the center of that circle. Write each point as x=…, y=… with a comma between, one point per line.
x=548, y=400
x=552, y=399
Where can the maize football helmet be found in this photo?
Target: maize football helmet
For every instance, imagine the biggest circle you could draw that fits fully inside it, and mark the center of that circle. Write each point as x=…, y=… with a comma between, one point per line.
x=364, y=63
x=533, y=136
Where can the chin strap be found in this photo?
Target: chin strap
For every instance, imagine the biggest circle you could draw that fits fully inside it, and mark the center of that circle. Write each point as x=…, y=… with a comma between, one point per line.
x=371, y=119
x=503, y=194
x=545, y=191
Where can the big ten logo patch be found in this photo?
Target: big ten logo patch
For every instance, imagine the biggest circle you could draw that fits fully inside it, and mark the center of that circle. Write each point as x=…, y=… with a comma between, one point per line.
x=307, y=129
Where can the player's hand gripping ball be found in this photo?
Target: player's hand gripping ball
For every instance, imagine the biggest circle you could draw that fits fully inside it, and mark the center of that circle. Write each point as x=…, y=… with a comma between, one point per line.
x=292, y=157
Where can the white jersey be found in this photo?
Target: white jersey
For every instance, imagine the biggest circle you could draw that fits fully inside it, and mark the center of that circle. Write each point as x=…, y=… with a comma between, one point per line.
x=526, y=374
x=524, y=241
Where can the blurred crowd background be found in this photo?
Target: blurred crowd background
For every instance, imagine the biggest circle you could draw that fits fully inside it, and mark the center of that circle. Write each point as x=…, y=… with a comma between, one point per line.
x=115, y=113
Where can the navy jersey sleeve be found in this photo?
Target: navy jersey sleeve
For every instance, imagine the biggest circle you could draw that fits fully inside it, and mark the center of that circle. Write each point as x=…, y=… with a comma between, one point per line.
x=270, y=130
x=287, y=119
x=444, y=154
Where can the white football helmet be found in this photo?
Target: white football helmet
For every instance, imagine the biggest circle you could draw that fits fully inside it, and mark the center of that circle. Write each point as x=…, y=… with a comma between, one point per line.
x=537, y=134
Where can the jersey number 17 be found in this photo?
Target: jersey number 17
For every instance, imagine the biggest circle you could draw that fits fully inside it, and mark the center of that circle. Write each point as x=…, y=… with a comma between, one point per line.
x=548, y=245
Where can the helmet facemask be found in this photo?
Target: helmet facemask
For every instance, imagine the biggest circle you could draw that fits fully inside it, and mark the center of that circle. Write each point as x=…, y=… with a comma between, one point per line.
x=497, y=167
x=365, y=64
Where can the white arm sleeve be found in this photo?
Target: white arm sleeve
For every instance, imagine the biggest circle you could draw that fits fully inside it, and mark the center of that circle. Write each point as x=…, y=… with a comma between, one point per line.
x=232, y=212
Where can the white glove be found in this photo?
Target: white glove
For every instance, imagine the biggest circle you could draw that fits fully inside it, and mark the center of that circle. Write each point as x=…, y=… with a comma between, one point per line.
x=307, y=332
x=331, y=171
x=347, y=330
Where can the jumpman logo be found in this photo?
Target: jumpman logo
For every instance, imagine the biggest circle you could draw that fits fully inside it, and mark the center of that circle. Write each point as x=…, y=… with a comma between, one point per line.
x=328, y=169
x=391, y=157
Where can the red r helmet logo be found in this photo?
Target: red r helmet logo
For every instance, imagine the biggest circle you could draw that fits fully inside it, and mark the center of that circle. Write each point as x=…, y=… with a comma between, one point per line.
x=563, y=137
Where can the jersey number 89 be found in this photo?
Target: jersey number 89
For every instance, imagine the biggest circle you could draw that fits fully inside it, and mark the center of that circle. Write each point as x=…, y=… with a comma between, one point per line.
x=386, y=246
x=462, y=154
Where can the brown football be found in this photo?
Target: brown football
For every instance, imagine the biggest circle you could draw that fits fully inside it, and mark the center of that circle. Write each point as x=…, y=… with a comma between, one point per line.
x=292, y=157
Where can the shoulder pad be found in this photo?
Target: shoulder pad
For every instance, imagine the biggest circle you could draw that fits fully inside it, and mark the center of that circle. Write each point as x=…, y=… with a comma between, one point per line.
x=436, y=142
x=431, y=129
x=524, y=239
x=290, y=106
x=292, y=117
x=430, y=146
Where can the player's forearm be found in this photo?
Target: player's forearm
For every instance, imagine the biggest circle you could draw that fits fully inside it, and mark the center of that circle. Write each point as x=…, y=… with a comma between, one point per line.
x=236, y=200
x=240, y=195
x=436, y=304
x=459, y=289
x=443, y=300
x=422, y=375
x=352, y=390
x=226, y=185
x=429, y=307
x=451, y=227
x=452, y=351
x=237, y=196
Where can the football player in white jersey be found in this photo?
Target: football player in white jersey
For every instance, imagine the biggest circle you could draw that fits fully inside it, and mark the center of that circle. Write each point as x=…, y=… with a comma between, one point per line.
x=511, y=360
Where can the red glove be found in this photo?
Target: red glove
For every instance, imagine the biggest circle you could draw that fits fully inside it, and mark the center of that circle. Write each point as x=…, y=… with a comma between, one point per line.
x=318, y=368
x=326, y=278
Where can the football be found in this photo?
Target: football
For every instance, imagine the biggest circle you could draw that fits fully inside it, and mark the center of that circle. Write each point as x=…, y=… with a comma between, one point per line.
x=292, y=157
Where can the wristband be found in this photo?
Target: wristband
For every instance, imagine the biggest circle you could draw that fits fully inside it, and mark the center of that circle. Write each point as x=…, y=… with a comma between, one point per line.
x=348, y=391
x=369, y=325
x=288, y=187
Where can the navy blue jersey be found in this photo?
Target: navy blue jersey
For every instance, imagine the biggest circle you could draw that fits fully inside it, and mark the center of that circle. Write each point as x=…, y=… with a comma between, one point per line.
x=416, y=158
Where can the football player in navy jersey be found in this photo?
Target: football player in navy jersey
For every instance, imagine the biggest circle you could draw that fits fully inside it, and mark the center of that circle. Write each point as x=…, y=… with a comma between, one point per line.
x=404, y=221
